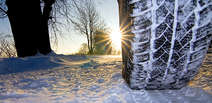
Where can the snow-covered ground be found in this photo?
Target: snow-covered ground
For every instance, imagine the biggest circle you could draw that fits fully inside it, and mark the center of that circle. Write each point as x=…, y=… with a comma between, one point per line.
x=88, y=79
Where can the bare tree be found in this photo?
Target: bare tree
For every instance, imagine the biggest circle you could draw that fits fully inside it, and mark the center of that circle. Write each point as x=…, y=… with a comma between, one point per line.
x=102, y=42
x=83, y=49
x=29, y=24
x=81, y=13
x=43, y=13
x=3, y=9
x=52, y=11
x=86, y=20
x=7, y=46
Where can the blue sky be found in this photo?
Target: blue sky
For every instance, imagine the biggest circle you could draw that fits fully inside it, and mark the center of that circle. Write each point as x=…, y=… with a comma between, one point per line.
x=71, y=41
x=4, y=26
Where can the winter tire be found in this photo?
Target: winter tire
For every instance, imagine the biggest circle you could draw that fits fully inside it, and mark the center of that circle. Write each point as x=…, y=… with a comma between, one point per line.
x=164, y=42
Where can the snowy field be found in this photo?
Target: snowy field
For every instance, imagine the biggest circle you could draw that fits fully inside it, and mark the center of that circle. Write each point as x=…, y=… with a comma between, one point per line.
x=88, y=79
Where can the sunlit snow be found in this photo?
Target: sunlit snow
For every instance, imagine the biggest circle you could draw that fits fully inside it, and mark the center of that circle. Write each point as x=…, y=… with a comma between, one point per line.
x=87, y=79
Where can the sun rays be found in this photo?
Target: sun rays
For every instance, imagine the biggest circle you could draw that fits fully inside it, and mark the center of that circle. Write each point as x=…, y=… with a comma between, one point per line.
x=118, y=41
x=115, y=37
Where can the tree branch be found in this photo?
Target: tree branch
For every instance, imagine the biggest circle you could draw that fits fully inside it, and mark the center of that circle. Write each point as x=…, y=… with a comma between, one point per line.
x=3, y=10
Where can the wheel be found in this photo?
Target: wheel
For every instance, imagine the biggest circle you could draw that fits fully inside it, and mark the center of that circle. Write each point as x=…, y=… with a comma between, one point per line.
x=164, y=42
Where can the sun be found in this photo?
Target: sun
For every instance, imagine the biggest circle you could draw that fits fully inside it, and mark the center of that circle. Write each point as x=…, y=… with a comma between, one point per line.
x=115, y=37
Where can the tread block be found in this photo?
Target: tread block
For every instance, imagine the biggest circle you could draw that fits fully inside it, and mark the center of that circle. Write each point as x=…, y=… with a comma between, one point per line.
x=142, y=58
x=159, y=63
x=180, y=31
x=160, y=29
x=159, y=42
x=204, y=31
x=189, y=23
x=158, y=53
x=198, y=54
x=205, y=15
x=166, y=46
x=142, y=48
x=165, y=57
x=170, y=5
x=200, y=43
x=170, y=20
x=204, y=2
x=189, y=7
x=161, y=13
x=177, y=45
x=159, y=2
x=184, y=50
x=143, y=36
x=141, y=5
x=168, y=34
x=143, y=24
x=187, y=38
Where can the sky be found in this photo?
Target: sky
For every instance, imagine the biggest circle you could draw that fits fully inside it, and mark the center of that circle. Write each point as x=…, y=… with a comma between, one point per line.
x=71, y=41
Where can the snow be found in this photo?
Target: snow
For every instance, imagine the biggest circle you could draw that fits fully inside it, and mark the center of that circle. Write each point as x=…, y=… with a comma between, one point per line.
x=88, y=79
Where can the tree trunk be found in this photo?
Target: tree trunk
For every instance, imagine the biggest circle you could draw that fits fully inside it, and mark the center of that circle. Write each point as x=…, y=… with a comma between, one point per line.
x=29, y=27
x=24, y=20
x=89, y=49
x=44, y=44
x=91, y=42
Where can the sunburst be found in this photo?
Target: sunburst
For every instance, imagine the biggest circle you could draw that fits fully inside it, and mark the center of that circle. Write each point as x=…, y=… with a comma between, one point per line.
x=115, y=37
